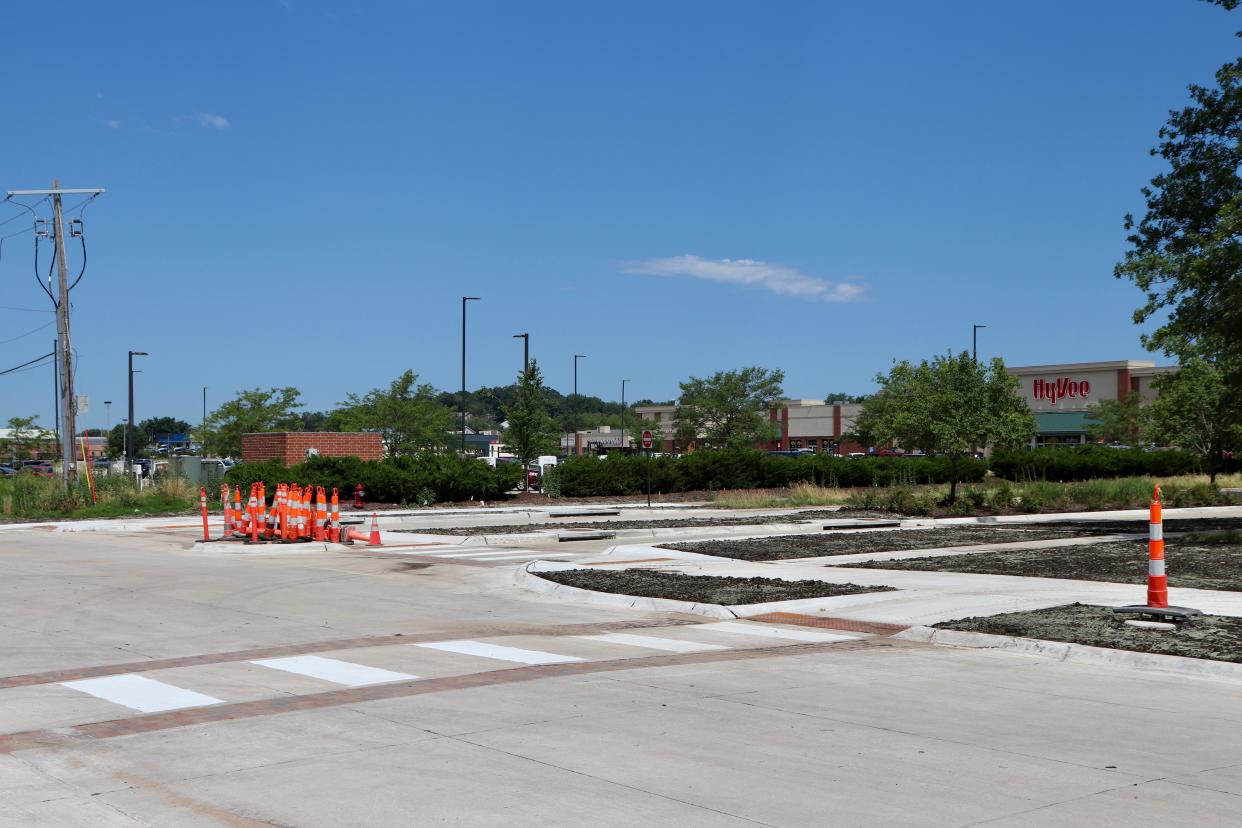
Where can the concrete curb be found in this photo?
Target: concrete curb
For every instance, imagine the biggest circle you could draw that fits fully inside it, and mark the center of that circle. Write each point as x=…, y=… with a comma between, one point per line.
x=1077, y=653
x=527, y=577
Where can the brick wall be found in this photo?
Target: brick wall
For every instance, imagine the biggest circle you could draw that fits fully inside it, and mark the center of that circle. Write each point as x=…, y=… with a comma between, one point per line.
x=290, y=446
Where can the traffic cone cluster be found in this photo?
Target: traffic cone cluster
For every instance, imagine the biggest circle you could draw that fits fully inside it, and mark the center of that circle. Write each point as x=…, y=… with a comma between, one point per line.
x=372, y=539
x=296, y=514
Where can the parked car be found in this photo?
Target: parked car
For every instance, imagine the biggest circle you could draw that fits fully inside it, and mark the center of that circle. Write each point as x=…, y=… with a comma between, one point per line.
x=39, y=468
x=6, y=470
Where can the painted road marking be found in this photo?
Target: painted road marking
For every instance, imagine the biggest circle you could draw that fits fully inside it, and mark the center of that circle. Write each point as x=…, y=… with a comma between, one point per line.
x=672, y=645
x=497, y=651
x=505, y=553
x=334, y=670
x=140, y=693
x=741, y=628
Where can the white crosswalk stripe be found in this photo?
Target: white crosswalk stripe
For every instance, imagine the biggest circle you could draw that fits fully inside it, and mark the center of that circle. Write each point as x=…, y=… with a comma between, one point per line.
x=672, y=645
x=498, y=651
x=140, y=693
x=768, y=631
x=333, y=670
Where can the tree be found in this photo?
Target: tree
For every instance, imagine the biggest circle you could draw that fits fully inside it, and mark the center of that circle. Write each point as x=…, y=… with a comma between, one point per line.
x=406, y=413
x=1117, y=421
x=532, y=431
x=730, y=408
x=164, y=425
x=1186, y=252
x=24, y=432
x=1197, y=410
x=248, y=413
x=116, y=441
x=951, y=405
x=831, y=398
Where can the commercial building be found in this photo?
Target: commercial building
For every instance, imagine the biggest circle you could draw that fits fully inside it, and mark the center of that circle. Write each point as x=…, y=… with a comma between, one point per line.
x=1061, y=394
x=592, y=441
x=1058, y=394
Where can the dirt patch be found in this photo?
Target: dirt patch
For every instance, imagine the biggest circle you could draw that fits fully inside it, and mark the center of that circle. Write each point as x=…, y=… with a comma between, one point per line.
x=1211, y=566
x=703, y=589
x=782, y=547
x=658, y=523
x=1215, y=637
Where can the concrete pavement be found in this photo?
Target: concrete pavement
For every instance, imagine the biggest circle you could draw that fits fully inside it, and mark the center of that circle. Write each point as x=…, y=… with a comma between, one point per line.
x=314, y=723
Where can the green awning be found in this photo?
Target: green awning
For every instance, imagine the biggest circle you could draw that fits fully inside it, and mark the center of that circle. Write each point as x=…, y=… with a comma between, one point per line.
x=1061, y=422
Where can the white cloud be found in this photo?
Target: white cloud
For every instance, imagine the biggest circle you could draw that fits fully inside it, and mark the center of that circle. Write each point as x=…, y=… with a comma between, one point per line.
x=216, y=121
x=112, y=124
x=780, y=279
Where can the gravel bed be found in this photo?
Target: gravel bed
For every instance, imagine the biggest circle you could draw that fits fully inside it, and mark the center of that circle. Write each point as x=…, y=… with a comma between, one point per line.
x=1209, y=566
x=1215, y=637
x=656, y=523
x=781, y=547
x=703, y=589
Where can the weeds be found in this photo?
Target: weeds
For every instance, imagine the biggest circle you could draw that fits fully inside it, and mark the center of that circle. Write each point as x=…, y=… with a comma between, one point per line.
x=25, y=495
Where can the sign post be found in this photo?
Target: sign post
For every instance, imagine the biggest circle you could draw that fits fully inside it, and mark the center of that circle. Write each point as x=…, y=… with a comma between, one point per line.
x=648, y=442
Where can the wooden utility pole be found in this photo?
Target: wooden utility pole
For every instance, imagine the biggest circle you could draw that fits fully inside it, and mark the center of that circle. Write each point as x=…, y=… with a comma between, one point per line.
x=65, y=357
x=67, y=407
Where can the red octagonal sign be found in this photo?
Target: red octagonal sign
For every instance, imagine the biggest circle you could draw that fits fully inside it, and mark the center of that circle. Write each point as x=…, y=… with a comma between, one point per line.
x=648, y=442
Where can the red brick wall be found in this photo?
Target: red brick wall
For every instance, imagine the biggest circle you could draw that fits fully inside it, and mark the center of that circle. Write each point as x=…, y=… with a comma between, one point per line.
x=290, y=446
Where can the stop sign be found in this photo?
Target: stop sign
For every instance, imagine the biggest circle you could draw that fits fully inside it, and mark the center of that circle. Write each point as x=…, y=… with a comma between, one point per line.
x=647, y=441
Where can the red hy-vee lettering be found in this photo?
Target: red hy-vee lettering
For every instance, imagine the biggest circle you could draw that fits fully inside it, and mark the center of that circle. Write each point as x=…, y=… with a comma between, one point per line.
x=1058, y=389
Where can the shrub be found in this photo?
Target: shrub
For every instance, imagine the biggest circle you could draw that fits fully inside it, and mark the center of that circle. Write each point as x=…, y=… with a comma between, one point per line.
x=419, y=479
x=1090, y=462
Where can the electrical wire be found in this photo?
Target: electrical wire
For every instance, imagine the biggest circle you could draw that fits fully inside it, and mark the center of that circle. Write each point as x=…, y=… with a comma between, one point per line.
x=25, y=207
x=28, y=333
x=82, y=272
x=28, y=310
x=32, y=362
x=39, y=281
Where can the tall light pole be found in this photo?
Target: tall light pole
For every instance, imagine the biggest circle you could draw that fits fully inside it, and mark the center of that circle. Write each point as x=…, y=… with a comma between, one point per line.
x=525, y=337
x=623, y=382
x=577, y=439
x=202, y=437
x=129, y=424
x=108, y=408
x=974, y=342
x=464, y=300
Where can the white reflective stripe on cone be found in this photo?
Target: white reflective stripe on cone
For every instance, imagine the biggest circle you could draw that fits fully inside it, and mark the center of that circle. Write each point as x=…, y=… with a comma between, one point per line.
x=1155, y=531
x=1155, y=566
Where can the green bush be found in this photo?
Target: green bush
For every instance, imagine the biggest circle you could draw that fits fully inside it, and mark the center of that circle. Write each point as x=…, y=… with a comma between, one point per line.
x=1089, y=462
x=418, y=479
x=711, y=470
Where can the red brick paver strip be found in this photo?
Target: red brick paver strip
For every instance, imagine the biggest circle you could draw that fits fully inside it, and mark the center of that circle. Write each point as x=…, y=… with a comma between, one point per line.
x=25, y=740
x=476, y=631
x=846, y=624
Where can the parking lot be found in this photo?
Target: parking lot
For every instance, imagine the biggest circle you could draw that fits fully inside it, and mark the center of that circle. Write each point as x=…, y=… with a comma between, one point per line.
x=150, y=680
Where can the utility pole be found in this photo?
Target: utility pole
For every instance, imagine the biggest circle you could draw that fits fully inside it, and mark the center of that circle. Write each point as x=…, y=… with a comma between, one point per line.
x=56, y=389
x=974, y=342
x=65, y=360
x=623, y=382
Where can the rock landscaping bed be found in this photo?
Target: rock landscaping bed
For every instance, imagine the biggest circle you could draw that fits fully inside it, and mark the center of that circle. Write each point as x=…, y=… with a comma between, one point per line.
x=658, y=523
x=702, y=589
x=1215, y=637
x=781, y=547
x=1202, y=565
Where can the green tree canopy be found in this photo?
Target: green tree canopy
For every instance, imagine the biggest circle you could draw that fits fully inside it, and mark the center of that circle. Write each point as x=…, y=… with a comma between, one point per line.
x=116, y=441
x=406, y=413
x=730, y=408
x=1116, y=421
x=951, y=405
x=250, y=412
x=155, y=426
x=24, y=433
x=1186, y=251
x=1196, y=411
x=531, y=431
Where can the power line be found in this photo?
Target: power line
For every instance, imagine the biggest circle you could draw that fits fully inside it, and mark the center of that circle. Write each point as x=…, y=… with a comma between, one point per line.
x=29, y=310
x=31, y=363
x=28, y=333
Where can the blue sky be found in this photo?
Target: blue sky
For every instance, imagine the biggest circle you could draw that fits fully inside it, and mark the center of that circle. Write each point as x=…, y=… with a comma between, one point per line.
x=299, y=193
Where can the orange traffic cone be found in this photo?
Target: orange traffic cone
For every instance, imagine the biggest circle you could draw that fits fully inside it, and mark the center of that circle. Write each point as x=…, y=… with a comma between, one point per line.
x=1157, y=605
x=374, y=540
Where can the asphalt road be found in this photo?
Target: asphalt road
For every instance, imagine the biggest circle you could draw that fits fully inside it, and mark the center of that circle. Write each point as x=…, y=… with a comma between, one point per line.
x=148, y=682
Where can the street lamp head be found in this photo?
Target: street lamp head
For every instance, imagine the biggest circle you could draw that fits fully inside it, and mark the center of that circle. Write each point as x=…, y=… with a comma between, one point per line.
x=579, y=356
x=138, y=353
x=469, y=298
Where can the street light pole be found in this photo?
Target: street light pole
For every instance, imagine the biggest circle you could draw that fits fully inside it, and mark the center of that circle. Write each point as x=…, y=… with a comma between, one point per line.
x=525, y=337
x=108, y=408
x=623, y=382
x=464, y=300
x=577, y=439
x=974, y=342
x=129, y=424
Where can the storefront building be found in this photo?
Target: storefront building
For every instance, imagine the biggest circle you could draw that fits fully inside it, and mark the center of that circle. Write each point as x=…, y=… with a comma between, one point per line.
x=1061, y=394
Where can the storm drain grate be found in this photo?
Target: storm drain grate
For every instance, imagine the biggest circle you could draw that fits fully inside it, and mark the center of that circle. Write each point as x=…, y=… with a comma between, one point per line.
x=846, y=624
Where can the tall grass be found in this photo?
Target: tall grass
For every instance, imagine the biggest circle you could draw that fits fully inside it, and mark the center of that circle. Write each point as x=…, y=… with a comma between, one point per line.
x=798, y=495
x=25, y=495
